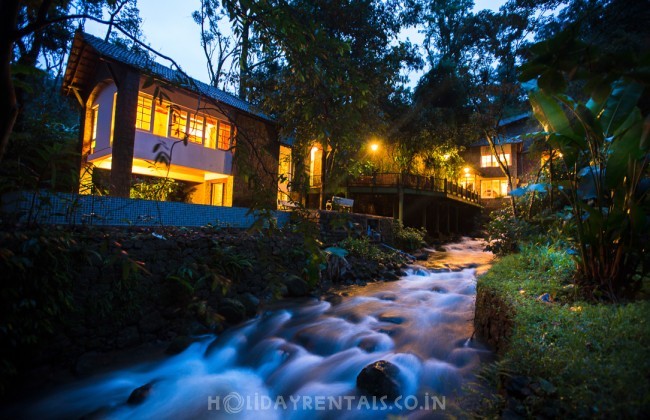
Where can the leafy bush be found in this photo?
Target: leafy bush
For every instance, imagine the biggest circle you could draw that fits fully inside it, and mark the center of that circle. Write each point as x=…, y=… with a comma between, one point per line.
x=408, y=238
x=505, y=232
x=604, y=144
x=162, y=189
x=362, y=248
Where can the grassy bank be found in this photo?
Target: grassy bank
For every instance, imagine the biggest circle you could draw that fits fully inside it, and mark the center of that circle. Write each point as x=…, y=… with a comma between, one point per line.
x=565, y=356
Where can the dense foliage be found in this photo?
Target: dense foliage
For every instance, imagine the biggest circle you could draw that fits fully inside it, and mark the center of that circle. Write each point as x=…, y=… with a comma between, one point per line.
x=603, y=147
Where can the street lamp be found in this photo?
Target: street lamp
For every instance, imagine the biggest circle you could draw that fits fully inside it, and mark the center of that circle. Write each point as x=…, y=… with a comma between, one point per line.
x=374, y=147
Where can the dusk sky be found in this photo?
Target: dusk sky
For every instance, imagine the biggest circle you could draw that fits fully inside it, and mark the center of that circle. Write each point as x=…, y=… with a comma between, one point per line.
x=168, y=27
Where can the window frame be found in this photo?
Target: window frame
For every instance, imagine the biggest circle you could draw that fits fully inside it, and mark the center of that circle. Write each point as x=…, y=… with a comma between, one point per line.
x=140, y=114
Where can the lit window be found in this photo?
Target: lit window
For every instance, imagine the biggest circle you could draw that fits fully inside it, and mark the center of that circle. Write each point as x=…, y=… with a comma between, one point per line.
x=143, y=116
x=93, y=121
x=489, y=161
x=161, y=119
x=179, y=123
x=225, y=131
x=113, y=119
x=494, y=188
x=210, y=133
x=196, y=129
x=284, y=166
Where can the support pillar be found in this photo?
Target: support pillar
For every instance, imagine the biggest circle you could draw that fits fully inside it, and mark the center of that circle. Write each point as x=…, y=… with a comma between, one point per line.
x=448, y=219
x=124, y=132
x=438, y=218
x=400, y=205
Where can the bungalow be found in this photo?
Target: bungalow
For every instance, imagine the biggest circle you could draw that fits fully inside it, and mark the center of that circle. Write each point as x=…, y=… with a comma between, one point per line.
x=482, y=172
x=133, y=109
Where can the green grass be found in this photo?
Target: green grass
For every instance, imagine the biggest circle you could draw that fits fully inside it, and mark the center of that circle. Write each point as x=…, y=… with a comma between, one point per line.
x=596, y=355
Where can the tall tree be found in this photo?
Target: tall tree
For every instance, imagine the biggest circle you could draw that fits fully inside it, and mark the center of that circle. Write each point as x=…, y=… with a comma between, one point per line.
x=35, y=30
x=334, y=73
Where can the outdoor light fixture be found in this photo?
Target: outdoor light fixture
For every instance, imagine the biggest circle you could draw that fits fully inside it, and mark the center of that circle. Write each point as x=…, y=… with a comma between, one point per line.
x=466, y=170
x=374, y=147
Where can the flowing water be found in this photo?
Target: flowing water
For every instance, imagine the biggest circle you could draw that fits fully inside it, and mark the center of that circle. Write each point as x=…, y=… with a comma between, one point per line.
x=301, y=359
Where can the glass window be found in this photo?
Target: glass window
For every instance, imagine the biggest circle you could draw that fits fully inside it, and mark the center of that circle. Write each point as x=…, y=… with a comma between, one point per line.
x=161, y=119
x=504, y=188
x=195, y=130
x=94, y=114
x=143, y=116
x=113, y=118
x=494, y=188
x=489, y=161
x=179, y=124
x=225, y=131
x=210, y=133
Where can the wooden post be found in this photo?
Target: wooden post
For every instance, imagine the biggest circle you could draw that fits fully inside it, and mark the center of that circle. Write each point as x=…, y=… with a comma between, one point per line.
x=448, y=219
x=124, y=133
x=400, y=198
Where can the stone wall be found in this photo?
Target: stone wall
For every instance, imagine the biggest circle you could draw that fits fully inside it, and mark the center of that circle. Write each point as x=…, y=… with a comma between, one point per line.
x=255, y=162
x=128, y=287
x=493, y=318
x=335, y=226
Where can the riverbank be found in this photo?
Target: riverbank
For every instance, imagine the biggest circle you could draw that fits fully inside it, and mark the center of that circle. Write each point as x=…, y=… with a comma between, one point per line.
x=561, y=357
x=76, y=300
x=417, y=327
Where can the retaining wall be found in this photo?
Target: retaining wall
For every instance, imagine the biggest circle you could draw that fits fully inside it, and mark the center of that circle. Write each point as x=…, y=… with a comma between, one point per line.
x=75, y=209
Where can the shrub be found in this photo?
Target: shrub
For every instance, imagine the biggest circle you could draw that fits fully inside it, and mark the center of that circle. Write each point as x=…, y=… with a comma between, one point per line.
x=408, y=238
x=505, y=232
x=362, y=248
x=162, y=189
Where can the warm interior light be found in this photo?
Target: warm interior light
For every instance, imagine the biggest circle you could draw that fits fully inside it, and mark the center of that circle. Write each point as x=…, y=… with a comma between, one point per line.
x=466, y=169
x=374, y=147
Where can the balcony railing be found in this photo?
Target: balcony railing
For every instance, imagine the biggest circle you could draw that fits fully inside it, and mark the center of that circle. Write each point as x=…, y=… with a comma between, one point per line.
x=416, y=182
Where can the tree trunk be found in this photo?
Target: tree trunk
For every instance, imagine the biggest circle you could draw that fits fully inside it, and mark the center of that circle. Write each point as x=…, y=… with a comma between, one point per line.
x=243, y=57
x=8, y=104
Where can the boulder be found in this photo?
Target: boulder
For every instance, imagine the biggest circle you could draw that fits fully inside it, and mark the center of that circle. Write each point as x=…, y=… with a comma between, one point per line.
x=178, y=345
x=139, y=394
x=296, y=286
x=232, y=311
x=250, y=302
x=379, y=379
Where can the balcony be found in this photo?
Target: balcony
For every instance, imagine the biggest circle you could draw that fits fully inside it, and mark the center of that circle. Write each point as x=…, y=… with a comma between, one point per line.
x=412, y=184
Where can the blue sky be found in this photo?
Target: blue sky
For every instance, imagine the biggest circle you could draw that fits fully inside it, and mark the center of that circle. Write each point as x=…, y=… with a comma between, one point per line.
x=169, y=28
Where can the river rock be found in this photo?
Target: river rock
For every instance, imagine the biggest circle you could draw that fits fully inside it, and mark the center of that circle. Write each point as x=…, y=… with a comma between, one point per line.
x=250, y=302
x=232, y=310
x=379, y=379
x=178, y=345
x=296, y=286
x=139, y=394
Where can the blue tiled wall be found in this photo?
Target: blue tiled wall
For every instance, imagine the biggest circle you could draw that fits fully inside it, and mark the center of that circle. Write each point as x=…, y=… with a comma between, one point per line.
x=74, y=209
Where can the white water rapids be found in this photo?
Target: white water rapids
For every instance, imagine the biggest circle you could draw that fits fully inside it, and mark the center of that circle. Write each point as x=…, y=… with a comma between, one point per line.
x=307, y=354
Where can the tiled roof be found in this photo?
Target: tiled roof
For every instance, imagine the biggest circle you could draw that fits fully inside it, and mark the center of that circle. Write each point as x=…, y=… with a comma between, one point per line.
x=504, y=123
x=515, y=118
x=148, y=66
x=509, y=140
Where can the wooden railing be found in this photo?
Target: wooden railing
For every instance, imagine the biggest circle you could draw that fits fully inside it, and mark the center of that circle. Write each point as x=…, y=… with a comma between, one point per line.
x=416, y=182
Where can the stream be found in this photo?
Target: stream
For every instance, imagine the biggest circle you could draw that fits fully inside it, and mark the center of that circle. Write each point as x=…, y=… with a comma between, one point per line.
x=301, y=358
